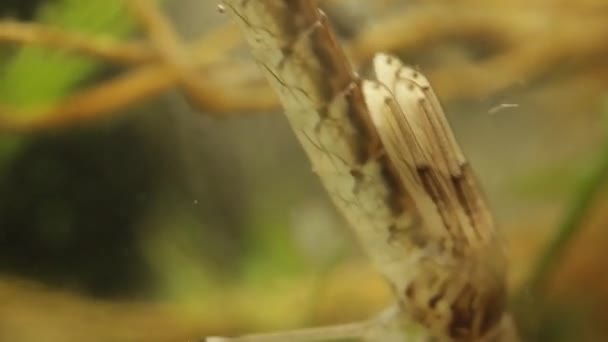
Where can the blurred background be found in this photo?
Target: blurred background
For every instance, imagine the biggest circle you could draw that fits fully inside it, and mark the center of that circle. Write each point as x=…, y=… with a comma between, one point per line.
x=135, y=206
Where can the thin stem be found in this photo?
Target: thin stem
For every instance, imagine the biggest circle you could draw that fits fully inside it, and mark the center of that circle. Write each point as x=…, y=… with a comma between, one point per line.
x=355, y=330
x=350, y=330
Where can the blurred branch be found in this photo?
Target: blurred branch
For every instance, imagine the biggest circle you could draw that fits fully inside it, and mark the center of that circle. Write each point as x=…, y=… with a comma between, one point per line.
x=525, y=46
x=159, y=69
x=169, y=45
x=107, y=49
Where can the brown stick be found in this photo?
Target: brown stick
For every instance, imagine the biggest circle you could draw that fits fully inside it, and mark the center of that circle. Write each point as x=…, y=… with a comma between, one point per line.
x=109, y=50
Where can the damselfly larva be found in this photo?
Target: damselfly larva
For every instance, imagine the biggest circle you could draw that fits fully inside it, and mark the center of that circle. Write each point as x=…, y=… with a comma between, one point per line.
x=457, y=285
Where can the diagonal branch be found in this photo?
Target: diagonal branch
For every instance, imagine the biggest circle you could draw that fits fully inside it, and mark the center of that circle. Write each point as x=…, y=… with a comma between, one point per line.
x=171, y=48
x=113, y=51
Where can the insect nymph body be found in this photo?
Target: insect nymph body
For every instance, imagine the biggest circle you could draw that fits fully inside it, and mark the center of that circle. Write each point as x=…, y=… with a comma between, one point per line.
x=456, y=285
